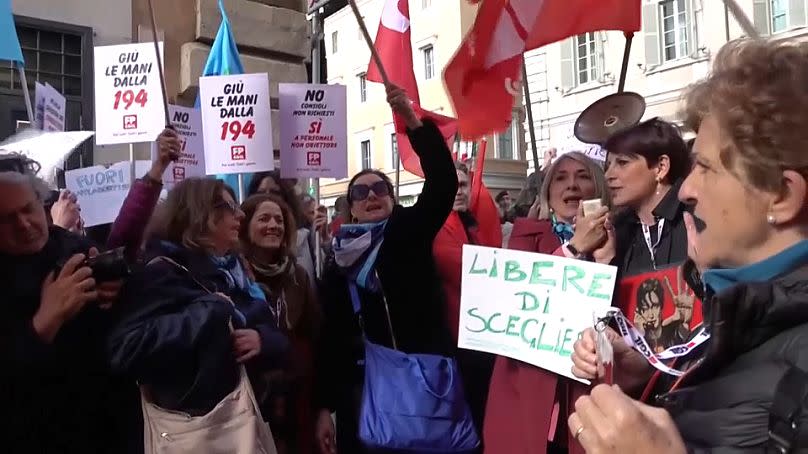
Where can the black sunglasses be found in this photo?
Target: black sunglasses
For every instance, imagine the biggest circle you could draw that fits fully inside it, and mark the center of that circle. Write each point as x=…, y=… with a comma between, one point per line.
x=360, y=192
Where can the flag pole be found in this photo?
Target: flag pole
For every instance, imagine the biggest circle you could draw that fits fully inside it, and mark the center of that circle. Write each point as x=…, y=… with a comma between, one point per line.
x=529, y=109
x=621, y=85
x=373, y=53
x=316, y=30
x=25, y=93
x=742, y=19
x=159, y=65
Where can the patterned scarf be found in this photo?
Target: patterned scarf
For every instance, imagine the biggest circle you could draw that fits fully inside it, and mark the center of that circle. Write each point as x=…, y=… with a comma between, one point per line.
x=356, y=247
x=562, y=230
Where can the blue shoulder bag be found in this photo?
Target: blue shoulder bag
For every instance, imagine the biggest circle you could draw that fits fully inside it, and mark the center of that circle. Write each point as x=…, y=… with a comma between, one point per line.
x=412, y=403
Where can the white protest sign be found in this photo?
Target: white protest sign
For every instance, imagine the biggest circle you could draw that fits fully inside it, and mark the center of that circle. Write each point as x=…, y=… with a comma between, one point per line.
x=237, y=124
x=53, y=119
x=530, y=307
x=314, y=131
x=39, y=104
x=128, y=98
x=571, y=143
x=101, y=190
x=188, y=124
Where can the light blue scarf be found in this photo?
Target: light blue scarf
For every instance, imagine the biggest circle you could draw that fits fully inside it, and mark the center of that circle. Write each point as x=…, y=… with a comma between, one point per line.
x=356, y=247
x=719, y=279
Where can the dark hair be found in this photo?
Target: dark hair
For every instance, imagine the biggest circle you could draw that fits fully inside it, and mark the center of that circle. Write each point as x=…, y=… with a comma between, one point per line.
x=649, y=287
x=286, y=192
x=501, y=195
x=250, y=206
x=461, y=167
x=342, y=200
x=651, y=140
x=379, y=174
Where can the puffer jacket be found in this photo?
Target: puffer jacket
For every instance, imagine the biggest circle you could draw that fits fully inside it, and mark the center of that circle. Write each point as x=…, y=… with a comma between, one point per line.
x=759, y=333
x=173, y=335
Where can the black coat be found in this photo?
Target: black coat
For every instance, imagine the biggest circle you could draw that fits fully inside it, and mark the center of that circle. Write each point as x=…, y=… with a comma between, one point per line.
x=632, y=255
x=409, y=279
x=62, y=397
x=759, y=331
x=173, y=336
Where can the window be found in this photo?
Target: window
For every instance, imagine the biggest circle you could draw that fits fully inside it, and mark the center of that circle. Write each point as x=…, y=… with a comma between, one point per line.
x=50, y=57
x=777, y=16
x=675, y=29
x=506, y=145
x=363, y=87
x=429, y=62
x=365, y=146
x=334, y=39
x=586, y=58
x=394, y=150
x=426, y=4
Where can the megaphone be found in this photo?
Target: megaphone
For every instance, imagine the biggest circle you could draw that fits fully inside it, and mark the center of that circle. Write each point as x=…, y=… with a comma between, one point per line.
x=609, y=115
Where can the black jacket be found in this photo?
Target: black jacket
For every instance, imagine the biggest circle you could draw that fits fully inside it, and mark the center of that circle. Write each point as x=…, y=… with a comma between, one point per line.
x=173, y=336
x=632, y=255
x=408, y=277
x=759, y=331
x=62, y=397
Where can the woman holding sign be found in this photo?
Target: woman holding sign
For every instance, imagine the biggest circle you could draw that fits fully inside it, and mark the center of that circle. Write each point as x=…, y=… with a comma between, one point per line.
x=397, y=244
x=746, y=377
x=527, y=406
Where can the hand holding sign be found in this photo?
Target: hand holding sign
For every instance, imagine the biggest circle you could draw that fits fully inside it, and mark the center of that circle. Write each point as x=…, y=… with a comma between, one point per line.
x=630, y=370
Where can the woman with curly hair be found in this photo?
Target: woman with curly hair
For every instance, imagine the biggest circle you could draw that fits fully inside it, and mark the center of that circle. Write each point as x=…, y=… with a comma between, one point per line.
x=745, y=387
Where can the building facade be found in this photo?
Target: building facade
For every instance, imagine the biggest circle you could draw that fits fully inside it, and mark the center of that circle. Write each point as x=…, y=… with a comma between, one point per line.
x=437, y=28
x=58, y=37
x=677, y=40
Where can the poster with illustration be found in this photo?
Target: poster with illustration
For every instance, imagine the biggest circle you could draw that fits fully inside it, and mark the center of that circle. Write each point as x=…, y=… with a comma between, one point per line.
x=661, y=305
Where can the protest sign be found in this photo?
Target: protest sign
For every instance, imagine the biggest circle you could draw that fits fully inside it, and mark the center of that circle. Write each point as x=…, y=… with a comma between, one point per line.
x=314, y=131
x=530, y=307
x=188, y=124
x=39, y=104
x=236, y=123
x=101, y=190
x=53, y=116
x=128, y=97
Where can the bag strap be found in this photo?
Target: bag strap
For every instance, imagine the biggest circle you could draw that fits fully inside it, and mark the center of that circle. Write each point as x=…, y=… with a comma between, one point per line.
x=357, y=307
x=786, y=411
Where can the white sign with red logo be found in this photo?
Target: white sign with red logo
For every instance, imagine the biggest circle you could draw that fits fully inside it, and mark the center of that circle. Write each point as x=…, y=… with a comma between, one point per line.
x=314, y=131
x=128, y=98
x=188, y=124
x=236, y=123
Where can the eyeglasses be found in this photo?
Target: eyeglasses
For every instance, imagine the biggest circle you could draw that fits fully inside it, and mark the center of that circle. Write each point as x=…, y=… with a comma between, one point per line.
x=360, y=192
x=231, y=207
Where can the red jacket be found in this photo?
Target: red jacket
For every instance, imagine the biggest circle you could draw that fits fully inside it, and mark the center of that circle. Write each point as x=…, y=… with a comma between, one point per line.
x=521, y=414
x=130, y=225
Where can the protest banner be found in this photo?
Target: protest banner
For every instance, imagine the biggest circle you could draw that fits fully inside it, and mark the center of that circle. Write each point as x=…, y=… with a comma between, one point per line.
x=39, y=104
x=188, y=124
x=53, y=116
x=314, y=131
x=101, y=190
x=236, y=123
x=530, y=307
x=128, y=97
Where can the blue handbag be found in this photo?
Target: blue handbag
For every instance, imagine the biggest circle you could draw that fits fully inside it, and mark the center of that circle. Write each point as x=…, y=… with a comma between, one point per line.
x=412, y=403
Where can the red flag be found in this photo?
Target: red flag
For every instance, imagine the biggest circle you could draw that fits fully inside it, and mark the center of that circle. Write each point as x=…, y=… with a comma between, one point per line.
x=483, y=76
x=394, y=46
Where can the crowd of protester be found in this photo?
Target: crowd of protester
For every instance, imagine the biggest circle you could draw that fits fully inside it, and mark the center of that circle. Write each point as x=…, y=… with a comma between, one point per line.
x=201, y=304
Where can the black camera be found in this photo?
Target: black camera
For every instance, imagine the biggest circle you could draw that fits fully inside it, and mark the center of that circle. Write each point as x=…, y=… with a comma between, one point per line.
x=106, y=267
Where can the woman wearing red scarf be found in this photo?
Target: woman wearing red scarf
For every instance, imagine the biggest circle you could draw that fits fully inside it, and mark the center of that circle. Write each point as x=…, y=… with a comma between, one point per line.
x=528, y=406
x=471, y=222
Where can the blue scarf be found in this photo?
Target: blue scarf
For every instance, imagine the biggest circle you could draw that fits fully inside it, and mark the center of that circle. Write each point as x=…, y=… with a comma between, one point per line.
x=562, y=230
x=775, y=266
x=356, y=247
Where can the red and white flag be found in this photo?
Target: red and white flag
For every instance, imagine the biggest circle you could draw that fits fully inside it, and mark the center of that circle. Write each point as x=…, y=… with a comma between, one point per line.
x=484, y=75
x=393, y=43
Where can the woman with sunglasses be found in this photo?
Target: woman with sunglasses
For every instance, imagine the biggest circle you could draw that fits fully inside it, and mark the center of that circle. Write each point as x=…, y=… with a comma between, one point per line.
x=387, y=252
x=174, y=335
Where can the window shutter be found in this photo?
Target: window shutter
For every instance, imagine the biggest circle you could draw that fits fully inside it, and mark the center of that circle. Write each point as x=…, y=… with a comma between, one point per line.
x=601, y=59
x=692, y=28
x=796, y=13
x=762, y=19
x=567, y=64
x=650, y=24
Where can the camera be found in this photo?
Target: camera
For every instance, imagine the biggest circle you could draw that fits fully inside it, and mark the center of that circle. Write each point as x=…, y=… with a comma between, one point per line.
x=106, y=267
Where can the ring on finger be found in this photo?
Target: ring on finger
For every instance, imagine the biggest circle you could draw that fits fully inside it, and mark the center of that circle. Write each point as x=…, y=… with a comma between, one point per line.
x=578, y=432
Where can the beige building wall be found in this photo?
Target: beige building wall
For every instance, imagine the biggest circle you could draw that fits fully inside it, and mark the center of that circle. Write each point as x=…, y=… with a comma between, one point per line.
x=436, y=24
x=559, y=96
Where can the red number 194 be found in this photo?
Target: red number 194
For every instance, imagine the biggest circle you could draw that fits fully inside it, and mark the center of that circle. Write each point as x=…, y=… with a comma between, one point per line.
x=236, y=129
x=128, y=98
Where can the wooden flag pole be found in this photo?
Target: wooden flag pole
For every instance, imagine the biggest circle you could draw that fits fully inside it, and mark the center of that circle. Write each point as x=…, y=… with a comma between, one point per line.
x=621, y=85
x=369, y=41
x=742, y=19
x=159, y=64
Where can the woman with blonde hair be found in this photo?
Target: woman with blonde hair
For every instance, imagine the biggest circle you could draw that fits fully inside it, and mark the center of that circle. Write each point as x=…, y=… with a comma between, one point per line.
x=268, y=236
x=746, y=373
x=174, y=336
x=527, y=405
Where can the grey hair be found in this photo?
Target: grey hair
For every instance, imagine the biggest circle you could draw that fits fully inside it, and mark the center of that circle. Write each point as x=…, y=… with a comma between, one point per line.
x=595, y=171
x=39, y=186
